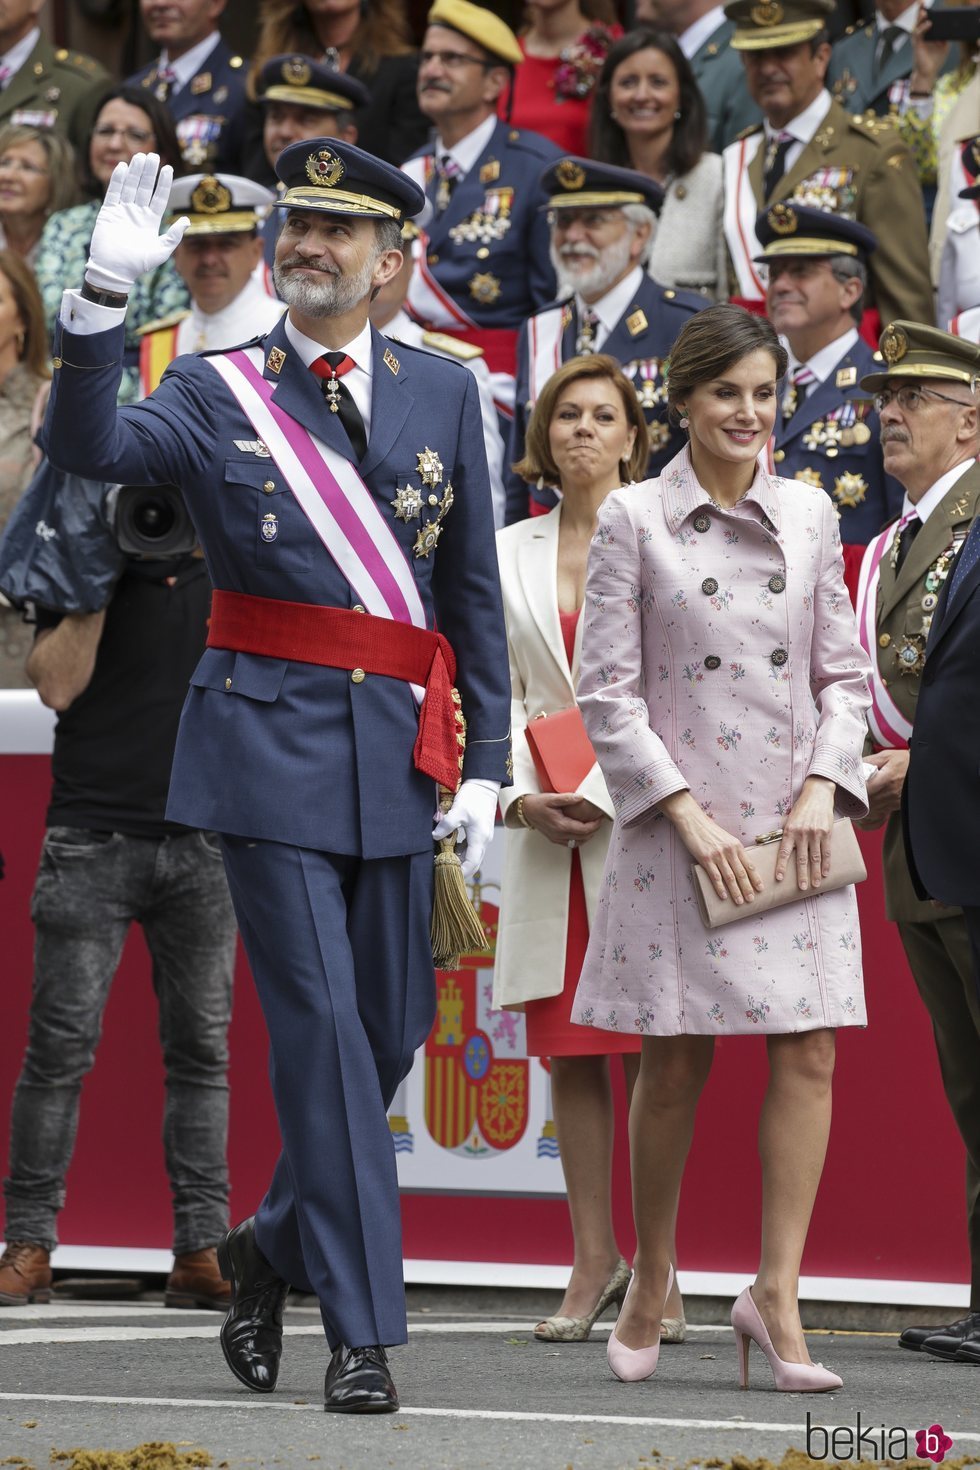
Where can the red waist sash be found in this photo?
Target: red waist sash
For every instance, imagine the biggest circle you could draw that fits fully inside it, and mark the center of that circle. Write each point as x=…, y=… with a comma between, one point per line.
x=341, y=639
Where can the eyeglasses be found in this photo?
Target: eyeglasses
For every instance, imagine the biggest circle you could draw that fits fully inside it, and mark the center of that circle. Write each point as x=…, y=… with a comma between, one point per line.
x=452, y=60
x=137, y=136
x=910, y=399
x=23, y=166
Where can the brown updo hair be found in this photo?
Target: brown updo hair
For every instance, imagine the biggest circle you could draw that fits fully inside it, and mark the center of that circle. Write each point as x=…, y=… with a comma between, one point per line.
x=537, y=462
x=712, y=341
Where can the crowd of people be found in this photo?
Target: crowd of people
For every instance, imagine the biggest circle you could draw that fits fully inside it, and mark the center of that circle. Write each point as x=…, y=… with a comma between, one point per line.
x=683, y=305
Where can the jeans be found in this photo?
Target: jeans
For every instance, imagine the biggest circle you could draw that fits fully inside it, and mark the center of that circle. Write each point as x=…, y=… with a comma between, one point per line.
x=90, y=887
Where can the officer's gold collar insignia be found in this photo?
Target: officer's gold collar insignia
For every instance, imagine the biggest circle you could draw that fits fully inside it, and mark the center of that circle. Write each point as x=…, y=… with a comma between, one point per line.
x=636, y=322
x=569, y=174
x=783, y=219
x=325, y=167
x=846, y=377
x=894, y=344
x=391, y=361
x=275, y=359
x=210, y=197
x=490, y=172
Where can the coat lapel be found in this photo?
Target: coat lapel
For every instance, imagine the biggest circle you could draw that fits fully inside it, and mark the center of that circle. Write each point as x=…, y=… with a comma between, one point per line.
x=391, y=402
x=537, y=569
x=955, y=507
x=298, y=393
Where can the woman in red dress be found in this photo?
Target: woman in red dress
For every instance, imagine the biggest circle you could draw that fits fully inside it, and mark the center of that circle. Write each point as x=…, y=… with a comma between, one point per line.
x=588, y=435
x=564, y=43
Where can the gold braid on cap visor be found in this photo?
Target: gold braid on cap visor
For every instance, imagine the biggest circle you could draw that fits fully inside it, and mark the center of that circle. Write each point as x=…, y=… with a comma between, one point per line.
x=326, y=198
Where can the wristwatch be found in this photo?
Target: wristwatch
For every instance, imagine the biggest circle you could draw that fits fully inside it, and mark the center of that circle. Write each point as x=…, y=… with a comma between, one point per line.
x=102, y=298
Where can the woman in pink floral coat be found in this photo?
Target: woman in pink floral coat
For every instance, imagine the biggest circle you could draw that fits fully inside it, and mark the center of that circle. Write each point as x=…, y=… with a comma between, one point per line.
x=724, y=690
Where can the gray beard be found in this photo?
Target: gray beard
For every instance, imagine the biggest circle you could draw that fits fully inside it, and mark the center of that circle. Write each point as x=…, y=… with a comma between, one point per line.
x=331, y=295
x=610, y=264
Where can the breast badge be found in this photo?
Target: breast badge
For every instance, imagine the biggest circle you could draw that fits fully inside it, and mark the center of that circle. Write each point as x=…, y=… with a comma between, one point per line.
x=911, y=653
x=411, y=501
x=489, y=223
x=484, y=288
x=809, y=477
x=849, y=490
x=647, y=376
x=407, y=503
x=270, y=526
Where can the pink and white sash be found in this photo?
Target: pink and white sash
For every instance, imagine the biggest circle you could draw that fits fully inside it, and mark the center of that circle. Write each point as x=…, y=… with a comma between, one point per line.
x=741, y=210
x=966, y=324
x=889, y=727
x=339, y=506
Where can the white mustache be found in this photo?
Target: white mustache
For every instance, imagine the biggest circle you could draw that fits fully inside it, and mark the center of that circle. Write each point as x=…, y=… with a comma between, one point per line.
x=578, y=252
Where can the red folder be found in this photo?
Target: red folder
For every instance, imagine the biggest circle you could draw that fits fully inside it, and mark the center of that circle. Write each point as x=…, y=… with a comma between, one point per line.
x=561, y=750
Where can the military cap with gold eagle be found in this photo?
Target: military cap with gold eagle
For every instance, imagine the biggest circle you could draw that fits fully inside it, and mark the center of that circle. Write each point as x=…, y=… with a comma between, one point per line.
x=911, y=350
x=479, y=25
x=762, y=25
x=581, y=183
x=335, y=177
x=303, y=82
x=219, y=204
x=788, y=229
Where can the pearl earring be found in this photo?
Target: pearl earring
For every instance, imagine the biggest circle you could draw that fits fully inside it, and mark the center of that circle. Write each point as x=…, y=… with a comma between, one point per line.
x=677, y=116
x=685, y=421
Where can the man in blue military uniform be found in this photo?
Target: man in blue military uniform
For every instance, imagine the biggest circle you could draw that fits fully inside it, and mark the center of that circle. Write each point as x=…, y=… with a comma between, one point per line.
x=827, y=431
x=200, y=79
x=339, y=488
x=485, y=265
x=603, y=221
x=302, y=99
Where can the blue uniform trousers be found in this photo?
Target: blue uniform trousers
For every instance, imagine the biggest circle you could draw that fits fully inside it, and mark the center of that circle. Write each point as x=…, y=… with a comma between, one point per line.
x=345, y=980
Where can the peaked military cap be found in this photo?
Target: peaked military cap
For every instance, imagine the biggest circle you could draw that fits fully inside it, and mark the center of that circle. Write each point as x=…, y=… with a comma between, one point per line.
x=761, y=25
x=970, y=155
x=304, y=82
x=911, y=350
x=479, y=25
x=338, y=178
x=219, y=204
x=799, y=229
x=581, y=183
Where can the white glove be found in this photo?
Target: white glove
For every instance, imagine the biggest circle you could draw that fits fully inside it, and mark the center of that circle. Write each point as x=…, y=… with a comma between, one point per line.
x=471, y=817
x=126, y=241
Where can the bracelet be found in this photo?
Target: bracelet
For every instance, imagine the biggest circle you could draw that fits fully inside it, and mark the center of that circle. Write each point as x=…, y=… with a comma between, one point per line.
x=103, y=298
x=519, y=813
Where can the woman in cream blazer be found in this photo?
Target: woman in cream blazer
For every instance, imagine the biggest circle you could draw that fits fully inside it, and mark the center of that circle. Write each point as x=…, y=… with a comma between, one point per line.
x=587, y=433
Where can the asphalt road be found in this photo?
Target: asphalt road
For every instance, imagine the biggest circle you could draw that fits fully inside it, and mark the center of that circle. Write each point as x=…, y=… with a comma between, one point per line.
x=477, y=1391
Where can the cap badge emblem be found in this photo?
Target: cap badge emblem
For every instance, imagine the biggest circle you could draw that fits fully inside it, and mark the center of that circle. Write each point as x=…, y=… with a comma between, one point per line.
x=325, y=167
x=570, y=174
x=894, y=344
x=767, y=13
x=210, y=197
x=783, y=219
x=296, y=71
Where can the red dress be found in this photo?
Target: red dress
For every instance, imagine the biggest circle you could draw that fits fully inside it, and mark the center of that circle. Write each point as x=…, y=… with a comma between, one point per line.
x=549, y=1029
x=537, y=105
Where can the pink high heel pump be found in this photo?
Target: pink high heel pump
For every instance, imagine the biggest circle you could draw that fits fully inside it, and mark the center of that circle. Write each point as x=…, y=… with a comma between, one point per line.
x=632, y=1365
x=788, y=1377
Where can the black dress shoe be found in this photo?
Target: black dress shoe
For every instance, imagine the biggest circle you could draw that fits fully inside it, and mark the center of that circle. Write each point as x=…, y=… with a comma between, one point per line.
x=358, y=1382
x=251, y=1334
x=969, y=1351
x=946, y=1341
x=916, y=1337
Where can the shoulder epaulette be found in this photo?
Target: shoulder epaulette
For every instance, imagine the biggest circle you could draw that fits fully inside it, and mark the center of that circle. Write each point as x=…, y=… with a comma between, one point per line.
x=870, y=125
x=533, y=143
x=162, y=322
x=238, y=347
x=747, y=132
x=77, y=61
x=442, y=342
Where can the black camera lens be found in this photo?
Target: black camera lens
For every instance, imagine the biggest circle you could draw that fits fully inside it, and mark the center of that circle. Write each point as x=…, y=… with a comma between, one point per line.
x=152, y=520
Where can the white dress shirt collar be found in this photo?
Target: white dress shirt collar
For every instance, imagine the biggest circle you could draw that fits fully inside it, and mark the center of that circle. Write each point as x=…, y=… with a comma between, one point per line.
x=701, y=30
x=928, y=502
x=805, y=124
x=14, y=59
x=610, y=308
x=253, y=312
x=822, y=363
x=468, y=149
x=190, y=63
x=906, y=20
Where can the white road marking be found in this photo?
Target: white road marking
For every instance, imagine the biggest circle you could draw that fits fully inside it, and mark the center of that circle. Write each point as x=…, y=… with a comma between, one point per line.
x=513, y=1415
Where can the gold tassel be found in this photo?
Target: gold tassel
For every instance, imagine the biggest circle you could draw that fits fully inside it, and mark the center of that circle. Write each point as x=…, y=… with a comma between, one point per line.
x=456, y=927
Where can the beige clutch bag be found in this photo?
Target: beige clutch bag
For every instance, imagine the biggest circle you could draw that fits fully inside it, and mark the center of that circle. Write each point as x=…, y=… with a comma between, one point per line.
x=846, y=867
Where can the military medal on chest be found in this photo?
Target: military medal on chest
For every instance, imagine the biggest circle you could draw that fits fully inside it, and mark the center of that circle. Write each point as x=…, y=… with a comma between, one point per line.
x=412, y=501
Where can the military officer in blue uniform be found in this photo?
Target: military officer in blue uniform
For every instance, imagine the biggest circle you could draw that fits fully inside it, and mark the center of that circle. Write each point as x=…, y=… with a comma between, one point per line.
x=201, y=80
x=485, y=266
x=339, y=489
x=602, y=220
x=302, y=98
x=827, y=430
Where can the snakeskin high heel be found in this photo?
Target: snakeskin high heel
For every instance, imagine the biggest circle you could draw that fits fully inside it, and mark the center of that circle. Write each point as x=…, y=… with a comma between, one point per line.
x=577, y=1329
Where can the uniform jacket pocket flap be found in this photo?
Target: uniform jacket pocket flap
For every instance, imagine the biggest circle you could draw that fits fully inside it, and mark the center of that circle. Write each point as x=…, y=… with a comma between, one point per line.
x=248, y=674
x=256, y=472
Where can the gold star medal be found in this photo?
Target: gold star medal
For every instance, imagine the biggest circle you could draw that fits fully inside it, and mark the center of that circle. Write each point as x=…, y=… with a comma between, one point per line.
x=849, y=489
x=427, y=538
x=407, y=503
x=430, y=466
